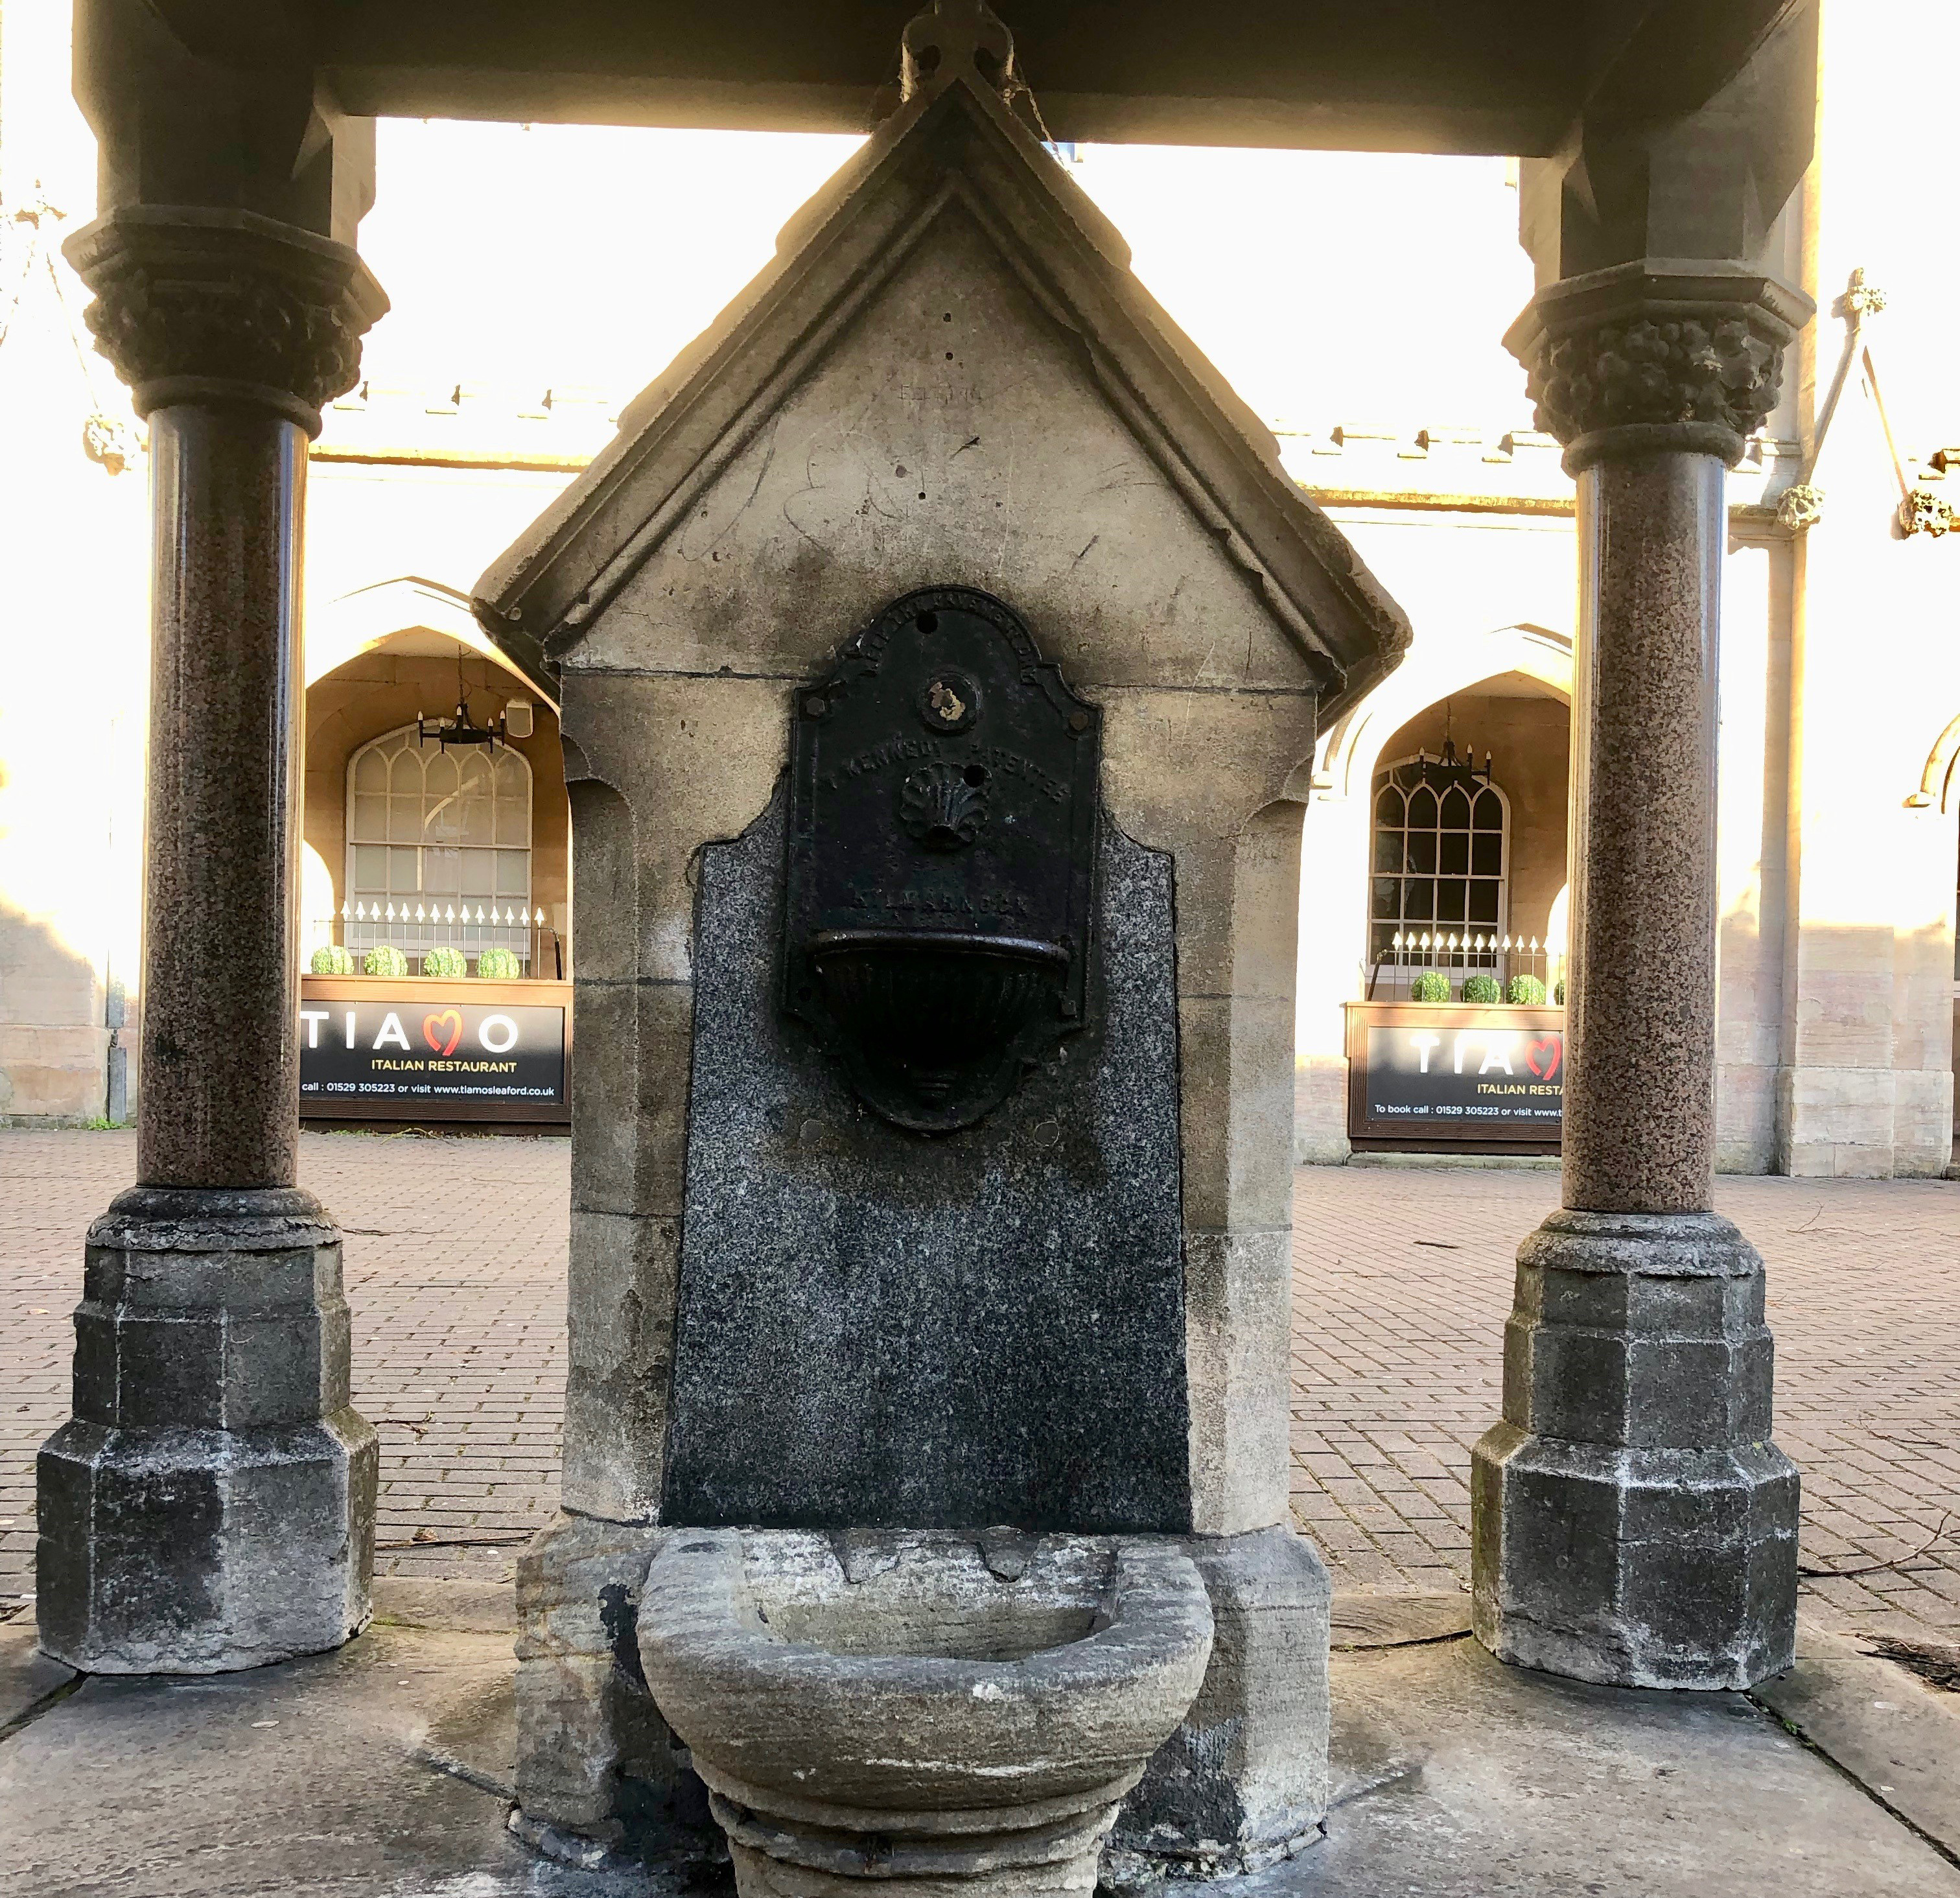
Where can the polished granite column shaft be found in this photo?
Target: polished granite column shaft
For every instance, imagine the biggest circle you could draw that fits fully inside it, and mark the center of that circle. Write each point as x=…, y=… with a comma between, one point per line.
x=1632, y=1522
x=209, y=1504
x=219, y=1101
x=1639, y=1086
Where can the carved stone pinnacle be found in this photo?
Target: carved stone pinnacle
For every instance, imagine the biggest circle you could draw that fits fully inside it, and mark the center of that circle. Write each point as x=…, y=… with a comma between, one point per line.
x=1656, y=354
x=200, y=305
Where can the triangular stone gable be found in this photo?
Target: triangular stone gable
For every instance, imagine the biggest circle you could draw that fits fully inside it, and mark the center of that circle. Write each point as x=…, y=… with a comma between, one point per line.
x=1057, y=425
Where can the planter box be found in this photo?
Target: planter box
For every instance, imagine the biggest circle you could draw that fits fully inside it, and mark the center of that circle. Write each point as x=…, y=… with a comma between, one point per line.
x=420, y=1048
x=1431, y=1076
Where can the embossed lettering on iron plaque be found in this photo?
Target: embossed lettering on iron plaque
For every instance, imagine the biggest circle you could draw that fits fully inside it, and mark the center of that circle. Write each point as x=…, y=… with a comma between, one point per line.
x=941, y=857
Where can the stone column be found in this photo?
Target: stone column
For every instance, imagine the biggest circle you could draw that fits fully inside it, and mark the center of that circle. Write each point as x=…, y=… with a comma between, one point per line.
x=210, y=1504
x=1631, y=1521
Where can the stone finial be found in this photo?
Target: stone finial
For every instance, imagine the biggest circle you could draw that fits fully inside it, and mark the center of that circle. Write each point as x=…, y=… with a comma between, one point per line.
x=1799, y=507
x=1923, y=511
x=1860, y=299
x=1656, y=354
x=194, y=304
x=955, y=36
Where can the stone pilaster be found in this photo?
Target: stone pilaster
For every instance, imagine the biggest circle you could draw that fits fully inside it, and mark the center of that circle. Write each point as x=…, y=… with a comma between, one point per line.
x=1632, y=1522
x=210, y=1504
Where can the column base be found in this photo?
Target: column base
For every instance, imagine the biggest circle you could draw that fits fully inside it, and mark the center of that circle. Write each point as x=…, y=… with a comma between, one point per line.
x=210, y=1506
x=1637, y=1568
x=1243, y=1782
x=1632, y=1523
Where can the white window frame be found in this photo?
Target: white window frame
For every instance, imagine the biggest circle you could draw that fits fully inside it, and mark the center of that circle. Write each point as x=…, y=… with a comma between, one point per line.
x=424, y=918
x=1491, y=961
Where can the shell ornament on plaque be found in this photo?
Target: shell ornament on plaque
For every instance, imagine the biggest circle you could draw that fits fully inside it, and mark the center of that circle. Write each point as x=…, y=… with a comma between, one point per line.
x=941, y=858
x=945, y=806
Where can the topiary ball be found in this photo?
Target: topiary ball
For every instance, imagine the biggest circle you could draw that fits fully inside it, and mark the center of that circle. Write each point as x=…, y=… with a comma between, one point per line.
x=333, y=961
x=1558, y=991
x=385, y=959
x=1525, y=991
x=1482, y=990
x=447, y=964
x=1430, y=986
x=499, y=965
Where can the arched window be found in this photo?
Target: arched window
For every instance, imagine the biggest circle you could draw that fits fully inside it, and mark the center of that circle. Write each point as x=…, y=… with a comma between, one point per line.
x=1441, y=866
x=438, y=846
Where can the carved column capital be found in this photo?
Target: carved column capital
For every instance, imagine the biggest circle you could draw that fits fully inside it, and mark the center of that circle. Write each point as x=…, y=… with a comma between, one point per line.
x=199, y=305
x=1656, y=354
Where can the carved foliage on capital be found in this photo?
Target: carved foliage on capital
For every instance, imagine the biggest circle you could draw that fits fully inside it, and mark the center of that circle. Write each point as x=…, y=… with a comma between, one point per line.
x=226, y=300
x=1680, y=369
x=270, y=333
x=1654, y=346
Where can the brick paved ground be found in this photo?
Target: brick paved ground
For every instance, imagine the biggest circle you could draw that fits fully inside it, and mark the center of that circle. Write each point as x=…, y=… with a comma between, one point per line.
x=455, y=1266
x=455, y=1273
x=1401, y=1284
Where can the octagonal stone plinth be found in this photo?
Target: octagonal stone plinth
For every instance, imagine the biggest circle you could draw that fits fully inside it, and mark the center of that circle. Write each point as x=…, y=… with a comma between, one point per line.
x=1632, y=1523
x=210, y=1505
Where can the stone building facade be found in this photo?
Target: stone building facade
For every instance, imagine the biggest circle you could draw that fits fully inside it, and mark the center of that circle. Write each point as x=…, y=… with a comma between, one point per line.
x=1840, y=813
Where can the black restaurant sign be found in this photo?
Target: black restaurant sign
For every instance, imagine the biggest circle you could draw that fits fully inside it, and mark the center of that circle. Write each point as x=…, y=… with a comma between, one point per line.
x=1426, y=1075
x=420, y=1049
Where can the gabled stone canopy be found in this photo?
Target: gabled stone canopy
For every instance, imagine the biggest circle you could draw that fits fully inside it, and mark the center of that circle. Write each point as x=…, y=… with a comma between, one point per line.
x=951, y=226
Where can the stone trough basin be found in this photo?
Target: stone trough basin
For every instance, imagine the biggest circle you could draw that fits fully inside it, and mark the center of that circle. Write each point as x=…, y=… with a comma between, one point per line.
x=911, y=1707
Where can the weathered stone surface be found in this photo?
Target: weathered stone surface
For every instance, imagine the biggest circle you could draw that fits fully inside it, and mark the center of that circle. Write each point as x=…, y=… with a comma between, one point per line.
x=1363, y=1620
x=27, y=1676
x=211, y=1504
x=880, y=1327
x=594, y=1756
x=1457, y=1778
x=1244, y=1781
x=1890, y=1733
x=1632, y=1523
x=1644, y=1330
x=1238, y=1291
x=623, y=1273
x=913, y=1708
x=1635, y=1567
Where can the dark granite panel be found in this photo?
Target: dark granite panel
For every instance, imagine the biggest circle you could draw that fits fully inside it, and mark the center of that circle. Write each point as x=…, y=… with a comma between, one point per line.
x=882, y=1327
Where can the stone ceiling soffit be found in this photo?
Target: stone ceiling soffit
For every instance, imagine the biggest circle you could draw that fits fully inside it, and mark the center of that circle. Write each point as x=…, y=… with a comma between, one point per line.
x=964, y=148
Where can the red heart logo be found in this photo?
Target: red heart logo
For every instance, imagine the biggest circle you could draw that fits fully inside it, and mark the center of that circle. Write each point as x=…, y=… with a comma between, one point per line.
x=433, y=1028
x=1543, y=1056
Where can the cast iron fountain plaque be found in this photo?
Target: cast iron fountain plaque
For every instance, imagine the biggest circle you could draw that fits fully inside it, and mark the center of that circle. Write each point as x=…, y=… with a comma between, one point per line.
x=941, y=857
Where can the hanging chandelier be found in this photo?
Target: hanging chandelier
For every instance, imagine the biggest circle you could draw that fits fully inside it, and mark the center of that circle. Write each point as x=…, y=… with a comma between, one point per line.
x=1442, y=773
x=459, y=730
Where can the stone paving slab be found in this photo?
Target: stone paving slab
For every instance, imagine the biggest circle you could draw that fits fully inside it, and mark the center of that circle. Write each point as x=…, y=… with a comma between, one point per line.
x=1897, y=1737
x=1457, y=1777
x=456, y=1264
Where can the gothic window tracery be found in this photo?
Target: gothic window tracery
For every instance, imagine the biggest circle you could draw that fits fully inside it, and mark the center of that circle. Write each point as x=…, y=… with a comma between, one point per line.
x=1440, y=865
x=445, y=833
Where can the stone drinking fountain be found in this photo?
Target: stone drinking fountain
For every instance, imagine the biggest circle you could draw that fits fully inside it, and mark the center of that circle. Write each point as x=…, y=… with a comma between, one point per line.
x=942, y=649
